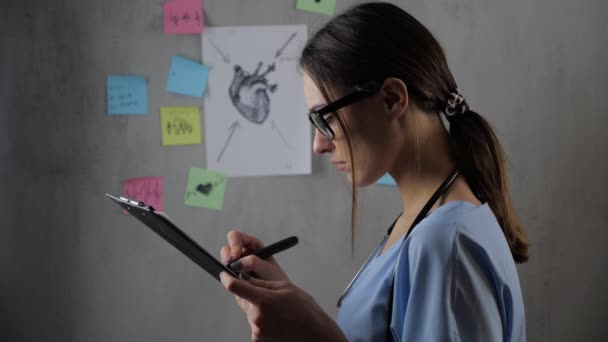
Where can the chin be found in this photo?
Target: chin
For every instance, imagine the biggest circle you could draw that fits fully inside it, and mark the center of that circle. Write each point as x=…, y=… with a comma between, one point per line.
x=360, y=182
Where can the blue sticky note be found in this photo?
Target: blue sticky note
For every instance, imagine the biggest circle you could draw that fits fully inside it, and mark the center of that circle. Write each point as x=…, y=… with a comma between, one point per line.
x=127, y=95
x=187, y=77
x=386, y=180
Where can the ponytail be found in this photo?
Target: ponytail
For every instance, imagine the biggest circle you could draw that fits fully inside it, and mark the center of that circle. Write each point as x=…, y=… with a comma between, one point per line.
x=366, y=43
x=482, y=160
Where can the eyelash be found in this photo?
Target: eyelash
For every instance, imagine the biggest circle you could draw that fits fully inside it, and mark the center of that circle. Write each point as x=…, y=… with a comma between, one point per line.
x=329, y=118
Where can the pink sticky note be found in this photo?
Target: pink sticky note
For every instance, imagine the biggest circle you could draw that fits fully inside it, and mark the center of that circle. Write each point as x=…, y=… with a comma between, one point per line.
x=183, y=16
x=145, y=189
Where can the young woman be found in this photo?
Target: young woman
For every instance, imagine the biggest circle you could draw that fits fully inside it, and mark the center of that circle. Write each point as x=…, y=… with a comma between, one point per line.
x=383, y=99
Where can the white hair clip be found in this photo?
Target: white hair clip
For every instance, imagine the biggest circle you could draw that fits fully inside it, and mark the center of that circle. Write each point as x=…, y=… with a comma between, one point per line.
x=456, y=104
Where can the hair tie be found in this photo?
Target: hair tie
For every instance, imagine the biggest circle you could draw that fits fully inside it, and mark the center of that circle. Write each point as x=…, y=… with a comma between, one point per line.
x=456, y=105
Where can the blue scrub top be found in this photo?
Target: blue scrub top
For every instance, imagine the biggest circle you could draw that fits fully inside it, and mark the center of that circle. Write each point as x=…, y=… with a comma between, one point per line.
x=455, y=281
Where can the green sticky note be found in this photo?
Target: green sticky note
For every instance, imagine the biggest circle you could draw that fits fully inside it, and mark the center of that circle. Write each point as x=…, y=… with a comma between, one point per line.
x=180, y=125
x=205, y=189
x=327, y=7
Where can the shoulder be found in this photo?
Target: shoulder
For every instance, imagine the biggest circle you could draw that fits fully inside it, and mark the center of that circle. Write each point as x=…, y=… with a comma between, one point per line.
x=455, y=228
x=456, y=240
x=457, y=268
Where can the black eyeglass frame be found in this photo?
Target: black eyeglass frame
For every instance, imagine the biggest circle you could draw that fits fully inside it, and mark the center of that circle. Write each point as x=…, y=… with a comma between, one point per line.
x=317, y=119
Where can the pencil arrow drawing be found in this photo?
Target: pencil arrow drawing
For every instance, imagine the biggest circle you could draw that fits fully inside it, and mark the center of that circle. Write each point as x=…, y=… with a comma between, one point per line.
x=280, y=51
x=225, y=58
x=235, y=125
x=276, y=129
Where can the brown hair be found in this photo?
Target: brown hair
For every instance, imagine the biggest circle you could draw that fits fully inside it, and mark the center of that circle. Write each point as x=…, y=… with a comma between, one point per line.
x=374, y=41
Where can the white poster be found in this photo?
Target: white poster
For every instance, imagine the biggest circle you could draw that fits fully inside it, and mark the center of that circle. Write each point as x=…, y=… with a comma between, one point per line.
x=255, y=113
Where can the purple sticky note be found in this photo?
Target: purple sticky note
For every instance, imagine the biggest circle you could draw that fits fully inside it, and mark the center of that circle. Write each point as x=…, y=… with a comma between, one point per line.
x=145, y=189
x=183, y=16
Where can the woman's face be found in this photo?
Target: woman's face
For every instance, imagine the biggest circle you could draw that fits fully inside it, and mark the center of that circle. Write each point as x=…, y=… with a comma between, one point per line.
x=371, y=134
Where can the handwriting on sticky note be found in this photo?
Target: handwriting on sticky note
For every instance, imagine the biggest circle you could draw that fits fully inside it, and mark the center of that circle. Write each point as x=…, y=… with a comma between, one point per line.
x=183, y=16
x=127, y=95
x=180, y=125
x=205, y=189
x=145, y=189
x=187, y=77
x=327, y=7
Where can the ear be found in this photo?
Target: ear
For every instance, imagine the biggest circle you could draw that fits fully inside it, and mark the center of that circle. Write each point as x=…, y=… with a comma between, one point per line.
x=395, y=97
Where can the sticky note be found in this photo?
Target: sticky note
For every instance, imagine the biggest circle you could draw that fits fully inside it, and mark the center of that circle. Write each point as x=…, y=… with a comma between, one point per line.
x=145, y=189
x=183, y=16
x=205, y=189
x=180, y=125
x=327, y=7
x=386, y=180
x=187, y=77
x=127, y=95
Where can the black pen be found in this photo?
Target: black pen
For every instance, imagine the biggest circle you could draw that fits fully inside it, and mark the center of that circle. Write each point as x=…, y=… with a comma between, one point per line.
x=270, y=250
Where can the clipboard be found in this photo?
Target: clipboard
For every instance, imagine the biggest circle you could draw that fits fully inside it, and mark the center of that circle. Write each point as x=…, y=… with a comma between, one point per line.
x=160, y=223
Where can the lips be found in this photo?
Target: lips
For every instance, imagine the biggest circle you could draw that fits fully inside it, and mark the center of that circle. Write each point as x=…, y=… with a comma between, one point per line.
x=340, y=164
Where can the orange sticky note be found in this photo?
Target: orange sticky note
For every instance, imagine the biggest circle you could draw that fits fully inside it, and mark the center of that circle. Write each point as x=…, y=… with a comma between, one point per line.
x=183, y=16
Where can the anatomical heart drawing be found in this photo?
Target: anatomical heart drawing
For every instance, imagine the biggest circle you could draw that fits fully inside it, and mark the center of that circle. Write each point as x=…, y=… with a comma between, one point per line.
x=249, y=93
x=254, y=109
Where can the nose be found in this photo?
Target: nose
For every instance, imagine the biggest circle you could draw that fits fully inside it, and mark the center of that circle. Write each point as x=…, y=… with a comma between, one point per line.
x=321, y=144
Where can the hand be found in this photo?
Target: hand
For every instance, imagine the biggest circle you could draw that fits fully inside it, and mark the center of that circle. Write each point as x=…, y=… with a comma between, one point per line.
x=278, y=310
x=241, y=245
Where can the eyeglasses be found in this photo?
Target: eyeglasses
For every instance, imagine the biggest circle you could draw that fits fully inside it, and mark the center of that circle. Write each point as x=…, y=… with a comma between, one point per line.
x=317, y=118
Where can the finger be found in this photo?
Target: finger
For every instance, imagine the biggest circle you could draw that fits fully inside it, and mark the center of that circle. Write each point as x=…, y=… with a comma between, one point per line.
x=225, y=255
x=266, y=284
x=242, y=288
x=239, y=240
x=243, y=304
x=253, y=263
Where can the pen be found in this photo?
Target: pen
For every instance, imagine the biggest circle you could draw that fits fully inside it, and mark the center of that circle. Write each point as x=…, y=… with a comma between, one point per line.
x=270, y=250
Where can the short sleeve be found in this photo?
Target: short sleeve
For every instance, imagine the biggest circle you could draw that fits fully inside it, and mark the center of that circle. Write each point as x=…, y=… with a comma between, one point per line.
x=444, y=289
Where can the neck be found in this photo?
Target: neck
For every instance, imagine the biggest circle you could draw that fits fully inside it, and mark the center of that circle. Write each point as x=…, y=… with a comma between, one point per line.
x=423, y=164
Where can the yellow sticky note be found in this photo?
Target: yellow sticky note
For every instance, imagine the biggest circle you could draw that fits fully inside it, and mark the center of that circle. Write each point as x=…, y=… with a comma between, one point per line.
x=180, y=125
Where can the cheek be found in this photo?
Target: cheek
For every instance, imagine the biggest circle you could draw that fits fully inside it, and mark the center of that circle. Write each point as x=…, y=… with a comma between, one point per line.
x=371, y=144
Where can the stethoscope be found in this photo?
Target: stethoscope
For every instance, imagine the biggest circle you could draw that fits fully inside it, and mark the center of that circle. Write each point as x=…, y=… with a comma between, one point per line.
x=438, y=193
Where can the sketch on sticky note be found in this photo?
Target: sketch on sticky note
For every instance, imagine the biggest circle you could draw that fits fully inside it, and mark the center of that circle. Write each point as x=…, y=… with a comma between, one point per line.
x=256, y=97
x=204, y=188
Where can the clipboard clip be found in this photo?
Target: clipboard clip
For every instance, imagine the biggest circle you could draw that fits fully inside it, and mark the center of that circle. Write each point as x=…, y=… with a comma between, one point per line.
x=139, y=204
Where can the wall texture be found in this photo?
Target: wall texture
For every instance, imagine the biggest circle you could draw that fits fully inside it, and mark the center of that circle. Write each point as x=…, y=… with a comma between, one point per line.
x=74, y=269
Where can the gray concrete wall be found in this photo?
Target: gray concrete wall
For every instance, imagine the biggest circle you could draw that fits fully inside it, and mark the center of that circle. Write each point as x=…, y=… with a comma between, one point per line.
x=73, y=269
